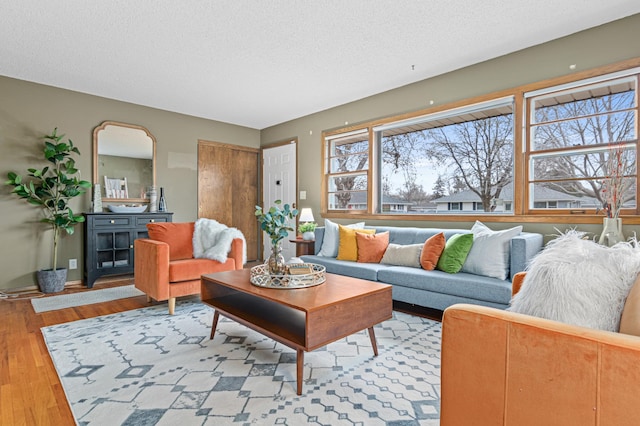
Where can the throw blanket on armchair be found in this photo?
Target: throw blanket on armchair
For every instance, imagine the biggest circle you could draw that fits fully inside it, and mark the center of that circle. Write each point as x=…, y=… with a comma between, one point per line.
x=212, y=240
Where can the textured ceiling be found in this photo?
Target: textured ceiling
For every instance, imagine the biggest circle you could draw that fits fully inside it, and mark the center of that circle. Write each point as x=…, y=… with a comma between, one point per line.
x=260, y=63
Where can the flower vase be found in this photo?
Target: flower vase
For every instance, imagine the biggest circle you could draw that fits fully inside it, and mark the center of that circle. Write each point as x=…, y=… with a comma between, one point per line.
x=276, y=263
x=97, y=198
x=611, y=232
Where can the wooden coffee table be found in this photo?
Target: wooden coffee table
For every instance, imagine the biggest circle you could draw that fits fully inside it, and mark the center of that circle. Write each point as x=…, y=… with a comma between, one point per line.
x=303, y=319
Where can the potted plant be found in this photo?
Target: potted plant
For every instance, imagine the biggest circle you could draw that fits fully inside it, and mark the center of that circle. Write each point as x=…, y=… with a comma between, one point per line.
x=50, y=189
x=307, y=230
x=275, y=222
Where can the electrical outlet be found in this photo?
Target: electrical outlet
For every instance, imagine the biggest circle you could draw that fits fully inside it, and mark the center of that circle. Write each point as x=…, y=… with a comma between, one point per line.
x=73, y=263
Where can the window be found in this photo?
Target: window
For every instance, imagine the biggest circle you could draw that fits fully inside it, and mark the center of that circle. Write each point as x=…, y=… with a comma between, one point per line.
x=422, y=163
x=464, y=153
x=572, y=141
x=347, y=165
x=575, y=134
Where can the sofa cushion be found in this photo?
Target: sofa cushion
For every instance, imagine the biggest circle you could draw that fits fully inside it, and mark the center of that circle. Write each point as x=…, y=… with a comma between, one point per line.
x=579, y=282
x=489, y=254
x=371, y=247
x=347, y=246
x=192, y=269
x=178, y=235
x=455, y=252
x=403, y=255
x=365, y=271
x=630, y=319
x=331, y=237
x=468, y=286
x=431, y=251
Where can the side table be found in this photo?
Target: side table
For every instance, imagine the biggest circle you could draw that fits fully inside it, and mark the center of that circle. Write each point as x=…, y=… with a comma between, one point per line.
x=304, y=247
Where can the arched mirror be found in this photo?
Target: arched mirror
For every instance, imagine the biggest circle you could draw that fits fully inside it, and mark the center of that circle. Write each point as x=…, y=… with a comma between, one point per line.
x=124, y=161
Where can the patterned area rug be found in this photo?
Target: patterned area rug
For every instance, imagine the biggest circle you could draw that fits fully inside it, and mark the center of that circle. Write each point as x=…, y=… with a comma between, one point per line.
x=145, y=367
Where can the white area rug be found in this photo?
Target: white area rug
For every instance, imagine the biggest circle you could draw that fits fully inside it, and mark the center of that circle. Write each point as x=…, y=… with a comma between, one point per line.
x=145, y=367
x=63, y=301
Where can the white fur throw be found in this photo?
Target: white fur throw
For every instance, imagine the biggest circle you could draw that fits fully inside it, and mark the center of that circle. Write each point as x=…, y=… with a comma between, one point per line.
x=212, y=240
x=577, y=281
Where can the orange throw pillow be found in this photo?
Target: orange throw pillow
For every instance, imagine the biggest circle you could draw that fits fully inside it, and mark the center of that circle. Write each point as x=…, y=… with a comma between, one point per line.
x=431, y=251
x=347, y=246
x=371, y=247
x=179, y=236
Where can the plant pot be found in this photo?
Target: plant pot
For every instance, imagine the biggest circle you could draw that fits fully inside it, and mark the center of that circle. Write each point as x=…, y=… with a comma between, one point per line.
x=309, y=236
x=51, y=281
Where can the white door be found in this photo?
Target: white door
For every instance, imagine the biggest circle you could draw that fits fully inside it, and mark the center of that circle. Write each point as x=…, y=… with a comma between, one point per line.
x=279, y=177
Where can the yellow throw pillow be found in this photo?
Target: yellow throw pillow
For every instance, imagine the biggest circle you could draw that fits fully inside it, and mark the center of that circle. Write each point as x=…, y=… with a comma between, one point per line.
x=348, y=245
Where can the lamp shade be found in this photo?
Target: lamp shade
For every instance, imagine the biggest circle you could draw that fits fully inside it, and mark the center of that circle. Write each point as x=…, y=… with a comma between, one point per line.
x=306, y=215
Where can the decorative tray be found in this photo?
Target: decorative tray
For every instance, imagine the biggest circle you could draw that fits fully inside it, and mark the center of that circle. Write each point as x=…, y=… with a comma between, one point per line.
x=299, y=275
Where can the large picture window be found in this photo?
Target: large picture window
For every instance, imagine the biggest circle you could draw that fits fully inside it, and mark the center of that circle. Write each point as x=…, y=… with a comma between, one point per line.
x=543, y=149
x=459, y=161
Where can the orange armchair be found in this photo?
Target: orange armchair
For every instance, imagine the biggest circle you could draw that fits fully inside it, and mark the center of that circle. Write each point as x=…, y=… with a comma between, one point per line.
x=504, y=368
x=165, y=267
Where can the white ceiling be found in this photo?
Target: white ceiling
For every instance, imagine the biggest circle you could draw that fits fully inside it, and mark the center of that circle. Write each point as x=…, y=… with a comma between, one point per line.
x=260, y=63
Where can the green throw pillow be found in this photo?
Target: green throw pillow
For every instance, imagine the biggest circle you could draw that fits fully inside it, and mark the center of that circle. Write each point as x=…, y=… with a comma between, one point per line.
x=455, y=253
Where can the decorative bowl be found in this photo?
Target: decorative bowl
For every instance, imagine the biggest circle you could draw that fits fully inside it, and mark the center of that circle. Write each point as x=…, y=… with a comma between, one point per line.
x=127, y=208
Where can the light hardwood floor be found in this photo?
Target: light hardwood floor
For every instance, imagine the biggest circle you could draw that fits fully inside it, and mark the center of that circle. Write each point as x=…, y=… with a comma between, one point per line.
x=30, y=391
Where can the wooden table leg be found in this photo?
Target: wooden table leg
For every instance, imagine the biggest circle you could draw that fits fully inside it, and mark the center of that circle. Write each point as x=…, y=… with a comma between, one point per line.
x=300, y=368
x=372, y=336
x=216, y=316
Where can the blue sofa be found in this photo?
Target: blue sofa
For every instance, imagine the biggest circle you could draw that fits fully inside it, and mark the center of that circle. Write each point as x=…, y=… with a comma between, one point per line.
x=434, y=289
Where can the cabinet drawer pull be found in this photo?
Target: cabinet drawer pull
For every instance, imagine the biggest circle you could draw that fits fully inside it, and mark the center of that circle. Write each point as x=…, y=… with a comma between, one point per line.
x=112, y=221
x=131, y=246
x=152, y=220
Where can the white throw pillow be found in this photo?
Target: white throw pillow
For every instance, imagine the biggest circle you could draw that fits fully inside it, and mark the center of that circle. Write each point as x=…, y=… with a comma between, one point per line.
x=403, y=255
x=331, y=239
x=577, y=281
x=489, y=254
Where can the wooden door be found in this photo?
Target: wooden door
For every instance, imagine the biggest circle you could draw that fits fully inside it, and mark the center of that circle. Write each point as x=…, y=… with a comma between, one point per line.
x=228, y=188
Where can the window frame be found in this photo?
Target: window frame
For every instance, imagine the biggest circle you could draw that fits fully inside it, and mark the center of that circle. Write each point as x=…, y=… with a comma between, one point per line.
x=530, y=153
x=519, y=212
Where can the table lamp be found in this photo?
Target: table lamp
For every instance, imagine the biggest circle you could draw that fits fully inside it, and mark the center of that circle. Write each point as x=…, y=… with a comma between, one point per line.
x=307, y=225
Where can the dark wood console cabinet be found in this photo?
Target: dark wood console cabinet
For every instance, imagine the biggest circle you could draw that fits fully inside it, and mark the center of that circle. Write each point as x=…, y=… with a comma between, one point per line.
x=108, y=241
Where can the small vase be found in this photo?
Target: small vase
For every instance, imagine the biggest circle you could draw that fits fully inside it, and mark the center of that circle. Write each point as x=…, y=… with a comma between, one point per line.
x=276, y=263
x=97, y=198
x=611, y=232
x=153, y=199
x=309, y=236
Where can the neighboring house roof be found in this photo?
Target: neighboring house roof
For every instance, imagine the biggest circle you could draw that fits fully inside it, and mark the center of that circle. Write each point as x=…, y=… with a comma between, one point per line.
x=541, y=194
x=361, y=198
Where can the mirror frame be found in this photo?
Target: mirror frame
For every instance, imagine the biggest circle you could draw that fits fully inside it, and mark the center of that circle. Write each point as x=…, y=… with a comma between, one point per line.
x=95, y=157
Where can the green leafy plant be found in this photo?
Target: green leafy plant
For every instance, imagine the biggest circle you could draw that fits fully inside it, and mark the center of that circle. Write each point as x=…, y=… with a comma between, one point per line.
x=307, y=227
x=52, y=187
x=275, y=221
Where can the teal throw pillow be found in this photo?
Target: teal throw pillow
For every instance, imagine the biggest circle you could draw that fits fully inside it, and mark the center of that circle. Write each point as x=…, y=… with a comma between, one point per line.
x=455, y=253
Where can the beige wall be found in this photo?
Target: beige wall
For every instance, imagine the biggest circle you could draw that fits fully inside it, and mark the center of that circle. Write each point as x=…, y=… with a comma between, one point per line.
x=29, y=111
x=598, y=46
